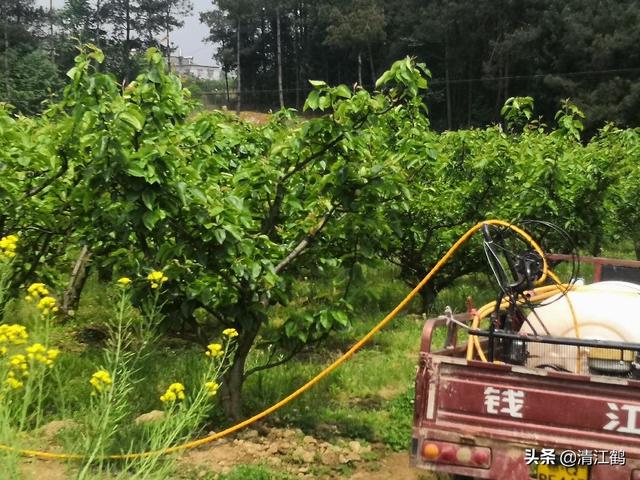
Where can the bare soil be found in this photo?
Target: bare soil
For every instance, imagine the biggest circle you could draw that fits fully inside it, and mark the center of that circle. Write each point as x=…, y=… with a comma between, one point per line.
x=258, y=118
x=304, y=456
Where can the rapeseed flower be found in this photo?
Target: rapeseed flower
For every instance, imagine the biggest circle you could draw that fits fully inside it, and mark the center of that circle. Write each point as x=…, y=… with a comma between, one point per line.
x=41, y=354
x=212, y=388
x=214, y=350
x=18, y=364
x=157, y=278
x=230, y=332
x=8, y=247
x=35, y=291
x=101, y=380
x=37, y=352
x=173, y=393
x=13, y=383
x=52, y=354
x=124, y=281
x=14, y=334
x=47, y=305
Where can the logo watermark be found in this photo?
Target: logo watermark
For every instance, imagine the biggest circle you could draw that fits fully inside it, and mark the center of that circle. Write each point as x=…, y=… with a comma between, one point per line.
x=573, y=458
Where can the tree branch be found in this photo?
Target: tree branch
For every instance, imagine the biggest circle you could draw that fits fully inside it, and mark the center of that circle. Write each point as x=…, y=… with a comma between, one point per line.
x=268, y=365
x=61, y=171
x=304, y=243
x=274, y=210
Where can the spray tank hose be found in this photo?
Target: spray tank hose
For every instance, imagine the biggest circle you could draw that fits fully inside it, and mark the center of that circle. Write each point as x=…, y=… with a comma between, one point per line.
x=313, y=381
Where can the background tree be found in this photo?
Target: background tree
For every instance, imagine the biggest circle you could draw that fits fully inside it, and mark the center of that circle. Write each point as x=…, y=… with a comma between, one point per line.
x=357, y=27
x=27, y=75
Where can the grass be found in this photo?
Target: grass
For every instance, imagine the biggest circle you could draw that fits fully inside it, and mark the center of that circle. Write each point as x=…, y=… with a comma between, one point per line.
x=254, y=472
x=369, y=399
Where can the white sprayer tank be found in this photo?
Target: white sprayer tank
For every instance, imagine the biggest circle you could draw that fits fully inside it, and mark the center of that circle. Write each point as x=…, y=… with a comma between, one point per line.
x=603, y=311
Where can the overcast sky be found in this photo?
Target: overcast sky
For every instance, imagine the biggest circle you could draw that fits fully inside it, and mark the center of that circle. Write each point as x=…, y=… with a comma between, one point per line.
x=188, y=38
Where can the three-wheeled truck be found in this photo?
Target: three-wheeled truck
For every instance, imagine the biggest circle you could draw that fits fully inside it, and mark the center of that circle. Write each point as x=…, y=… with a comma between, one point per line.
x=512, y=398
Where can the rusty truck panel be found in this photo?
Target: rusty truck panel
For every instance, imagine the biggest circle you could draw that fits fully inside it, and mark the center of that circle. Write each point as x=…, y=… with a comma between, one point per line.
x=477, y=419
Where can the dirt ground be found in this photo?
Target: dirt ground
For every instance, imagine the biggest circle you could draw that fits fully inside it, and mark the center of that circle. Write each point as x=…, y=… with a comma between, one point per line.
x=280, y=450
x=255, y=117
x=304, y=456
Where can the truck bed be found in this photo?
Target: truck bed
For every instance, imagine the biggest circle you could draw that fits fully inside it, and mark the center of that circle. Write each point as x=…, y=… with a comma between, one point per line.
x=487, y=415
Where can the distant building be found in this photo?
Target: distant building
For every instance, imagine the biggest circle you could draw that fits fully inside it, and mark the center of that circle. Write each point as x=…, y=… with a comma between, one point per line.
x=185, y=66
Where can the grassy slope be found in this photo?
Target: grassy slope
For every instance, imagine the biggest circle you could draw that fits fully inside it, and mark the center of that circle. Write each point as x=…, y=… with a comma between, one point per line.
x=368, y=399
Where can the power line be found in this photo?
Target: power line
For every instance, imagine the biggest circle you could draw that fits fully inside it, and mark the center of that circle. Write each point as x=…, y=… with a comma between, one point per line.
x=441, y=81
x=438, y=81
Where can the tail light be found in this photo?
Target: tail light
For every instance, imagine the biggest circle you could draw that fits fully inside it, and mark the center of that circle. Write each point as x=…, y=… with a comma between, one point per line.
x=453, y=453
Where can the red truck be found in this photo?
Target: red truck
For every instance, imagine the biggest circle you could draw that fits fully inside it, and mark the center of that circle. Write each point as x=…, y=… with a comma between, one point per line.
x=498, y=420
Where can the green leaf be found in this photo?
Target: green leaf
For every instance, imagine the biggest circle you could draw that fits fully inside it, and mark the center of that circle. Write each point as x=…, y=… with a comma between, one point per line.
x=312, y=100
x=255, y=271
x=220, y=235
x=149, y=219
x=131, y=120
x=343, y=91
x=136, y=171
x=148, y=199
x=324, y=103
x=325, y=321
x=341, y=318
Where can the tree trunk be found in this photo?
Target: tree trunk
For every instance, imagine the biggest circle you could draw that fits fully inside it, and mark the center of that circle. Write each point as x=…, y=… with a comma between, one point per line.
x=231, y=390
x=51, y=53
x=597, y=243
x=127, y=44
x=96, y=40
x=279, y=42
x=168, y=32
x=506, y=79
x=469, y=102
x=360, y=68
x=238, y=80
x=372, y=67
x=77, y=281
x=226, y=83
x=297, y=48
x=447, y=84
x=428, y=296
x=7, y=83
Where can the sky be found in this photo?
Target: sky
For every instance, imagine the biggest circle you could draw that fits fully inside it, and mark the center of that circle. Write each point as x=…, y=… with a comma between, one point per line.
x=188, y=39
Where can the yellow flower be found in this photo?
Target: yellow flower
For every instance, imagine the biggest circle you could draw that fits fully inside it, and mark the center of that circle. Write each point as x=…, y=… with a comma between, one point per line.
x=47, y=305
x=173, y=393
x=212, y=388
x=36, y=290
x=124, y=281
x=14, y=334
x=157, y=278
x=230, y=332
x=40, y=354
x=37, y=352
x=18, y=364
x=214, y=350
x=8, y=246
x=100, y=380
x=13, y=383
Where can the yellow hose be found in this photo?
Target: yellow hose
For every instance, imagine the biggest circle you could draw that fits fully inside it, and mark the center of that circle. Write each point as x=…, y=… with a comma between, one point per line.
x=540, y=293
x=314, y=380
